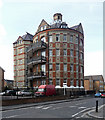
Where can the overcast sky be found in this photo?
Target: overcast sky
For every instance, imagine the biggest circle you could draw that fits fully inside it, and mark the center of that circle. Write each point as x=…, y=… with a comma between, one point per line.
x=20, y=16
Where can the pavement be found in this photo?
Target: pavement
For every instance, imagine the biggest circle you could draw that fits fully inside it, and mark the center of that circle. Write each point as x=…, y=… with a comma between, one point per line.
x=100, y=114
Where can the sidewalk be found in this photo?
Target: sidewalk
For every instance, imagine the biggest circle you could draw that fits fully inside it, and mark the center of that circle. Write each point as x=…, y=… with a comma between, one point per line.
x=99, y=114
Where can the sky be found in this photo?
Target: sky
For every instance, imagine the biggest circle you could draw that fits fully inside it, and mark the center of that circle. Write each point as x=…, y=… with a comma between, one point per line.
x=20, y=16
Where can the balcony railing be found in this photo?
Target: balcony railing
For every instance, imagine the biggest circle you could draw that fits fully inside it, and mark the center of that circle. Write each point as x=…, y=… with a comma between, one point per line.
x=36, y=46
x=36, y=75
x=36, y=60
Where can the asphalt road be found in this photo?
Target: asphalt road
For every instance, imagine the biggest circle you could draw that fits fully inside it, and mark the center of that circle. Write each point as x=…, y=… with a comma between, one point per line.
x=71, y=109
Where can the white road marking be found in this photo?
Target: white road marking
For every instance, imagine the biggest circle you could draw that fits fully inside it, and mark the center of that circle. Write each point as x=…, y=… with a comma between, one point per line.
x=39, y=107
x=72, y=106
x=81, y=107
x=45, y=108
x=80, y=112
x=57, y=108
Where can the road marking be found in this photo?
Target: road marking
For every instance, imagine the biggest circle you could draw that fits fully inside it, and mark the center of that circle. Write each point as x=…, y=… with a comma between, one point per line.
x=80, y=103
x=45, y=108
x=80, y=112
x=57, y=108
x=72, y=106
x=81, y=107
x=38, y=107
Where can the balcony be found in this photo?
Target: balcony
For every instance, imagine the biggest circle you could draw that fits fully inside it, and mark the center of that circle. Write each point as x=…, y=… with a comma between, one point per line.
x=36, y=75
x=36, y=46
x=36, y=60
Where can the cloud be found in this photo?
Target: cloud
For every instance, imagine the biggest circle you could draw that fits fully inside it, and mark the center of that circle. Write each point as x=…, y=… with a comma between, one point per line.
x=93, y=63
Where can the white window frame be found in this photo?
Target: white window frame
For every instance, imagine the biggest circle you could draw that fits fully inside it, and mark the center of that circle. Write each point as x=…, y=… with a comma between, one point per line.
x=64, y=37
x=65, y=52
x=57, y=52
x=50, y=38
x=50, y=52
x=65, y=67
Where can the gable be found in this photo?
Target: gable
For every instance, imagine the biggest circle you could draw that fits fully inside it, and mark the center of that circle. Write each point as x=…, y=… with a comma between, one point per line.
x=80, y=29
x=43, y=25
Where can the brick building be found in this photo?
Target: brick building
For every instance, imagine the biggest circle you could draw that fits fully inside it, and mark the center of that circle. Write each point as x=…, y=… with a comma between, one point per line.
x=94, y=82
x=1, y=78
x=20, y=46
x=56, y=55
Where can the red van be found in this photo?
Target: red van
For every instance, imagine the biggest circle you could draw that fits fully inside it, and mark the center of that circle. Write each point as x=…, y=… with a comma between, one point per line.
x=46, y=90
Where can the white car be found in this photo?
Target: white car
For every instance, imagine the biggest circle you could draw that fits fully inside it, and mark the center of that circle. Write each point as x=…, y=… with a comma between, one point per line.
x=2, y=93
x=24, y=93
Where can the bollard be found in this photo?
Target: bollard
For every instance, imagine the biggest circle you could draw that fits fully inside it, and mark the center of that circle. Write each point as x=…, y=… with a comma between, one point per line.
x=96, y=105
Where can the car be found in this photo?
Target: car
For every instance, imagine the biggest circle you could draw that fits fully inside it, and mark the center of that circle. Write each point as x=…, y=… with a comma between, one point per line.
x=2, y=93
x=10, y=92
x=24, y=93
x=103, y=95
x=98, y=94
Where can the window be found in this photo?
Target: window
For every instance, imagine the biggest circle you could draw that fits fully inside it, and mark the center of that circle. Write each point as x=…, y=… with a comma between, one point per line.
x=71, y=53
x=57, y=37
x=57, y=67
x=20, y=61
x=76, y=40
x=37, y=53
x=57, y=52
x=50, y=38
x=64, y=37
x=71, y=38
x=50, y=52
x=81, y=70
x=43, y=68
x=81, y=82
x=65, y=67
x=64, y=52
x=77, y=82
x=43, y=82
x=81, y=55
x=81, y=42
x=50, y=82
x=44, y=53
x=43, y=39
x=41, y=28
x=36, y=68
x=20, y=50
x=65, y=81
x=50, y=66
x=76, y=68
x=57, y=82
x=71, y=67
x=71, y=82
x=44, y=27
x=76, y=54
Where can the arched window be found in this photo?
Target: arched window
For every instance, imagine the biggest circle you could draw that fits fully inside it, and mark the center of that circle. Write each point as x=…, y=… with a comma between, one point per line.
x=43, y=39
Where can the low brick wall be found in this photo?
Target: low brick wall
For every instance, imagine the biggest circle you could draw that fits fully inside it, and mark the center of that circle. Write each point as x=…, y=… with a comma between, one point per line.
x=32, y=100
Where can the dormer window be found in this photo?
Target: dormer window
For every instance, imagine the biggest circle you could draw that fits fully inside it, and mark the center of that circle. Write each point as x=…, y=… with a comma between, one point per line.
x=63, y=26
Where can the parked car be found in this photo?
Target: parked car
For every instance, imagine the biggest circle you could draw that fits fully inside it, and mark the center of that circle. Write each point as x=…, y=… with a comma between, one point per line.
x=10, y=92
x=2, y=93
x=45, y=90
x=103, y=95
x=98, y=94
x=24, y=93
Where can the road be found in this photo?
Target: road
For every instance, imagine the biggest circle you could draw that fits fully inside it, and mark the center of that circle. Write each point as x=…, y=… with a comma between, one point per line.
x=71, y=109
